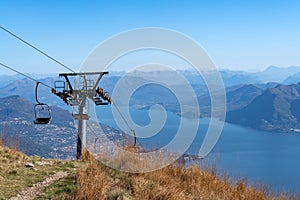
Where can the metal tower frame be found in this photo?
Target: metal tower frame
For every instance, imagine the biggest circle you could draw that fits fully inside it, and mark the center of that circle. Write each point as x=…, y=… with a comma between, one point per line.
x=77, y=97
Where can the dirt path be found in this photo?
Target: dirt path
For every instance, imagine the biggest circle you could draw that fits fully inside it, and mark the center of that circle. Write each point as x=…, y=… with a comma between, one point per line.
x=39, y=188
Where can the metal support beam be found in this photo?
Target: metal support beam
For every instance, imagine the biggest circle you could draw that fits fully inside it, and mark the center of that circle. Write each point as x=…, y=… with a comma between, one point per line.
x=81, y=139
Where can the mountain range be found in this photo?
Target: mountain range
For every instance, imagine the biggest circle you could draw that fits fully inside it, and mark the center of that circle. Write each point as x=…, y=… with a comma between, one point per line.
x=259, y=100
x=276, y=109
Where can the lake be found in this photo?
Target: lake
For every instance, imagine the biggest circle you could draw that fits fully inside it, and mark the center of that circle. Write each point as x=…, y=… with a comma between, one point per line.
x=242, y=153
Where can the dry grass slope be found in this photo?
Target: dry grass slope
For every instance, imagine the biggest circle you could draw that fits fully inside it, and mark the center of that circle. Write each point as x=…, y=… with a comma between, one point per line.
x=173, y=182
x=93, y=180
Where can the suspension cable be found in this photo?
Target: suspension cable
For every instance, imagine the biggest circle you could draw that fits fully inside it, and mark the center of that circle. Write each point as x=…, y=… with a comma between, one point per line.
x=30, y=45
x=33, y=79
x=122, y=116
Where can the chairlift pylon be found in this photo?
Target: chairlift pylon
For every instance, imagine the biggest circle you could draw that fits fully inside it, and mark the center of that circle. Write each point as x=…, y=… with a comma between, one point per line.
x=42, y=111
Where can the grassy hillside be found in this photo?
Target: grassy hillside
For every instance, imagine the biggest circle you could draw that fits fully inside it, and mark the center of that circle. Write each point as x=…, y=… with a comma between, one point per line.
x=88, y=179
x=17, y=173
x=96, y=181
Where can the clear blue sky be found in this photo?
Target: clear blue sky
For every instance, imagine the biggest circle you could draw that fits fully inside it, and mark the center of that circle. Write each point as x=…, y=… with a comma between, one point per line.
x=246, y=35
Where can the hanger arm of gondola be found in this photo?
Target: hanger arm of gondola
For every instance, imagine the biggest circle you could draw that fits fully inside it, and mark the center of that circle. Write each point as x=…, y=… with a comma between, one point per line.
x=36, y=92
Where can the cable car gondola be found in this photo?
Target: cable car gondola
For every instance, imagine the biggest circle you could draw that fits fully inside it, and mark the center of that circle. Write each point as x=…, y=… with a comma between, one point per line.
x=41, y=111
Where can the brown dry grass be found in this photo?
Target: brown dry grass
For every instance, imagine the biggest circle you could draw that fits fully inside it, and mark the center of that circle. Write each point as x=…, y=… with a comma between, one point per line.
x=96, y=181
x=173, y=182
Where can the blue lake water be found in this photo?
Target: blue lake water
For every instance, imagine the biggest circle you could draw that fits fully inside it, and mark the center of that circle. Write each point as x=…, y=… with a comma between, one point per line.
x=256, y=156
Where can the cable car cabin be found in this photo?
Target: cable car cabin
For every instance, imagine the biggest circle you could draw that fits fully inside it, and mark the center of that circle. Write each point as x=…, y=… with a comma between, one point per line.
x=42, y=114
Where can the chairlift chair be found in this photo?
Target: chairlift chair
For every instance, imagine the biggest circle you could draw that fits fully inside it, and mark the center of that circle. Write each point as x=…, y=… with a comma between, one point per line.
x=42, y=111
x=98, y=101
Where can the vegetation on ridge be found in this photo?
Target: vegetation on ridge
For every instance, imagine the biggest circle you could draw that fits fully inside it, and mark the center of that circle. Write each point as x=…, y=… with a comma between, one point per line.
x=92, y=180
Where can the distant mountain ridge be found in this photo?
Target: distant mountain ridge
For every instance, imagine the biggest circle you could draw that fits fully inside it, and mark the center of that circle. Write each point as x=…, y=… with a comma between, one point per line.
x=276, y=109
x=242, y=96
x=26, y=88
x=252, y=99
x=295, y=78
x=277, y=74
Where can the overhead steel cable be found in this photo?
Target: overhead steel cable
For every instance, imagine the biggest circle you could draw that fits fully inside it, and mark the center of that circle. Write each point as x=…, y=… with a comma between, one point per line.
x=122, y=116
x=37, y=49
x=127, y=124
x=33, y=79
